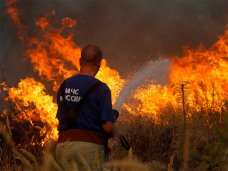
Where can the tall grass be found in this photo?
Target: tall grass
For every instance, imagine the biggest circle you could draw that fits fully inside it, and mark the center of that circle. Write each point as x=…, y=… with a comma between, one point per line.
x=164, y=146
x=13, y=158
x=168, y=145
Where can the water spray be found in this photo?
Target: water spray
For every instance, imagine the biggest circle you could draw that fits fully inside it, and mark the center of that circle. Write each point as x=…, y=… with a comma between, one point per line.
x=153, y=69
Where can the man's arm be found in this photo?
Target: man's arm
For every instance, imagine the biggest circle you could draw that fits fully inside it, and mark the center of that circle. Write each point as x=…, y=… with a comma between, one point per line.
x=106, y=114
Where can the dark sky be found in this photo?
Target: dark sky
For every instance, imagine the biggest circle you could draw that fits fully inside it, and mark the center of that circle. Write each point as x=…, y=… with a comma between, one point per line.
x=130, y=32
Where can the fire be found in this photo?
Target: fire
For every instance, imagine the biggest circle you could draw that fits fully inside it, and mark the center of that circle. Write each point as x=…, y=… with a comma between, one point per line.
x=206, y=72
x=55, y=56
x=112, y=78
x=13, y=12
x=54, y=53
x=42, y=22
x=33, y=104
x=149, y=100
x=205, y=75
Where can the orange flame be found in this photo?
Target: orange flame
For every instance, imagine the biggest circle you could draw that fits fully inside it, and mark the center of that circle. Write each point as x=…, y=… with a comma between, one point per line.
x=112, y=78
x=205, y=73
x=55, y=56
x=149, y=100
x=15, y=17
x=33, y=104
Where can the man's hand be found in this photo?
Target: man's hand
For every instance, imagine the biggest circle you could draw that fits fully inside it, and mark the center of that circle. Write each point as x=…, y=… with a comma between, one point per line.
x=108, y=127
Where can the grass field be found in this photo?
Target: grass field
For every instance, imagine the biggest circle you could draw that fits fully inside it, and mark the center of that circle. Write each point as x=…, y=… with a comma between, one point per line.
x=202, y=145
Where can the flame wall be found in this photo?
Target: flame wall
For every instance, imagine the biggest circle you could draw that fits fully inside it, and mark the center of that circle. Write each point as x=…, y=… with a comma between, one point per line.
x=54, y=55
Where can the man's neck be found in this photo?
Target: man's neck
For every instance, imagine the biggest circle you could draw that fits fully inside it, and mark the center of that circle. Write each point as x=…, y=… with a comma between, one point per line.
x=87, y=71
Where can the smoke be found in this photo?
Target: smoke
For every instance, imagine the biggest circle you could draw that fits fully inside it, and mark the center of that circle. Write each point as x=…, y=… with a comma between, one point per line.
x=130, y=32
x=154, y=69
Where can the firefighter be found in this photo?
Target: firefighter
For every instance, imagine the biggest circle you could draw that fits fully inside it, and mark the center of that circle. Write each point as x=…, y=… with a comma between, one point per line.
x=86, y=118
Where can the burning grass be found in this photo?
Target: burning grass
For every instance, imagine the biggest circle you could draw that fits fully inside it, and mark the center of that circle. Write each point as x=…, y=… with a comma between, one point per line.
x=180, y=125
x=154, y=146
x=198, y=147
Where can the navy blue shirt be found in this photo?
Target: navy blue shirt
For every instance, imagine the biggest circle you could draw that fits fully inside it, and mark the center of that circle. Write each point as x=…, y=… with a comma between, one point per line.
x=96, y=108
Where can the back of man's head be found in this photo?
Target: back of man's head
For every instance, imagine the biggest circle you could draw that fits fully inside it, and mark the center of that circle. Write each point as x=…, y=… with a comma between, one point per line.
x=91, y=55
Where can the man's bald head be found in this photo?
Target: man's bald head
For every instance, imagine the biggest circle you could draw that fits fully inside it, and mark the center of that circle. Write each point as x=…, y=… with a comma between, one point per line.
x=91, y=55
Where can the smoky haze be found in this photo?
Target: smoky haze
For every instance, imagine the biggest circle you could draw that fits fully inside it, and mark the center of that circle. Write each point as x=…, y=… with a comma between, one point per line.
x=130, y=32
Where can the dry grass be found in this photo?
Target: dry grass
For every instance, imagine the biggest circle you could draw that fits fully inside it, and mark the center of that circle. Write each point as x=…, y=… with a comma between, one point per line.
x=168, y=146
x=154, y=147
x=26, y=161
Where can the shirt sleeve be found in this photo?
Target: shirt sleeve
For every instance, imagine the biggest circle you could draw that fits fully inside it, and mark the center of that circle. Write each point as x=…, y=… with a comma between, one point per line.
x=59, y=115
x=58, y=102
x=106, y=113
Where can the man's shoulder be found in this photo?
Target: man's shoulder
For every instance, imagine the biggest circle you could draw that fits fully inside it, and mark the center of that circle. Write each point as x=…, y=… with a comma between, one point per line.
x=102, y=84
x=104, y=89
x=88, y=80
x=105, y=86
x=79, y=79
